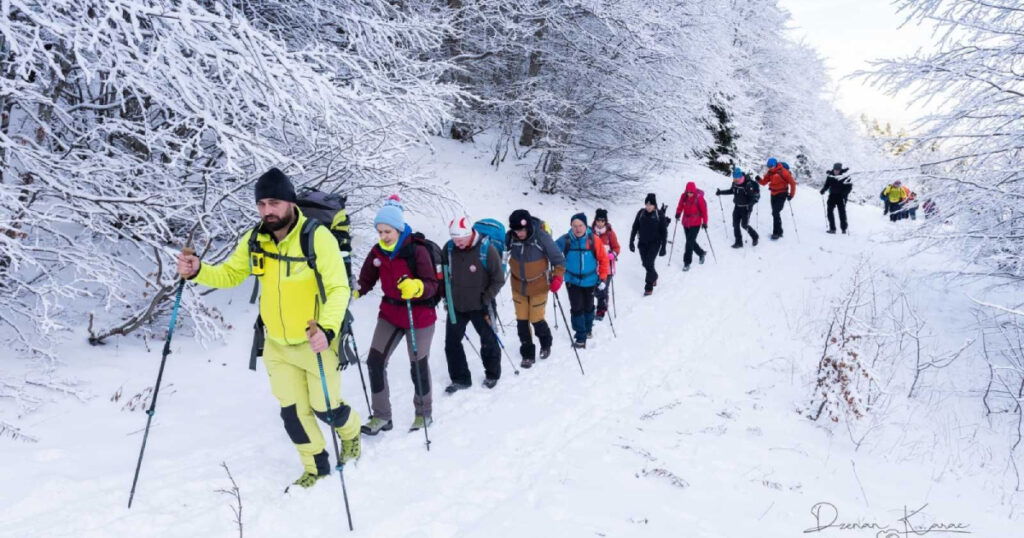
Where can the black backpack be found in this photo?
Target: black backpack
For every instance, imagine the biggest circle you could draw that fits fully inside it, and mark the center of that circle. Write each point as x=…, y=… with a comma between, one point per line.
x=753, y=191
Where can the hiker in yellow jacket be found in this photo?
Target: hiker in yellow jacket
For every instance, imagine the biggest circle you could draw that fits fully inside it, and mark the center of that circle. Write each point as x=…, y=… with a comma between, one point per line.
x=291, y=298
x=894, y=195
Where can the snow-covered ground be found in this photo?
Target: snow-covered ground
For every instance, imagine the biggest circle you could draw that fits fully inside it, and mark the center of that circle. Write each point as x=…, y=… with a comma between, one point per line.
x=686, y=424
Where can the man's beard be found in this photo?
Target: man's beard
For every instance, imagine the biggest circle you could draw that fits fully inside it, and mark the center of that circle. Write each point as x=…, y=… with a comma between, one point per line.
x=278, y=224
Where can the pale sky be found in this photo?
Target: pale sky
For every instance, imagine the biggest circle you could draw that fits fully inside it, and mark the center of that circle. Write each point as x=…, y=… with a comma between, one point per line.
x=850, y=33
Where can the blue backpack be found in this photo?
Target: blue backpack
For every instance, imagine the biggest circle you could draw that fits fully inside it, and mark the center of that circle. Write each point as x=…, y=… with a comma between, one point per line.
x=492, y=232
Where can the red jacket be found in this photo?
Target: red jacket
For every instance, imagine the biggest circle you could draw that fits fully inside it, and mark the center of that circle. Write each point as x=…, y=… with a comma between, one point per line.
x=388, y=268
x=692, y=206
x=779, y=180
x=611, y=244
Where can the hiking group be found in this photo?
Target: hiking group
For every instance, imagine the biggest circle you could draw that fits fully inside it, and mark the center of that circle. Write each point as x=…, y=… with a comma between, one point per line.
x=300, y=253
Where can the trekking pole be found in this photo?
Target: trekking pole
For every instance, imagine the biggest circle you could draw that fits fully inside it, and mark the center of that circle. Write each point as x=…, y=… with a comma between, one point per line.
x=473, y=347
x=415, y=356
x=671, y=250
x=710, y=246
x=349, y=339
x=159, y=376
x=791, y=214
x=825, y=209
x=722, y=209
x=330, y=423
x=566, y=321
x=502, y=344
x=497, y=318
x=611, y=322
x=615, y=306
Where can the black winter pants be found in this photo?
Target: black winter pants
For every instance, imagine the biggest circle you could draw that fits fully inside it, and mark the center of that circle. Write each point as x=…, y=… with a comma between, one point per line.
x=691, y=233
x=837, y=203
x=490, y=353
x=649, y=253
x=778, y=204
x=741, y=219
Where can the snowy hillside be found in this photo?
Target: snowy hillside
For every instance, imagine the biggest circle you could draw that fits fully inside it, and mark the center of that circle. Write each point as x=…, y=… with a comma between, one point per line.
x=689, y=423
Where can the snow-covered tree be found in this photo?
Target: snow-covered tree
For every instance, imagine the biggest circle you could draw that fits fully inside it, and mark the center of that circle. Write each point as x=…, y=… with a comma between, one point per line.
x=971, y=151
x=128, y=124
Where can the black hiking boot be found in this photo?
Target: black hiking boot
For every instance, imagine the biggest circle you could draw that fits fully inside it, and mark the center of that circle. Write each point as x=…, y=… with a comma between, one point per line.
x=754, y=239
x=490, y=383
x=738, y=245
x=526, y=363
x=545, y=352
x=775, y=237
x=456, y=387
x=700, y=259
x=648, y=292
x=686, y=267
x=832, y=231
x=580, y=345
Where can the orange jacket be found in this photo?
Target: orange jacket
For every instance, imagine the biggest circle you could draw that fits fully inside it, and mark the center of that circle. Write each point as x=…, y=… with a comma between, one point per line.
x=779, y=180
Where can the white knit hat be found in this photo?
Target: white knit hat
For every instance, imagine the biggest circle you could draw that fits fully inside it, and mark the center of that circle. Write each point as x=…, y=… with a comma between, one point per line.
x=460, y=227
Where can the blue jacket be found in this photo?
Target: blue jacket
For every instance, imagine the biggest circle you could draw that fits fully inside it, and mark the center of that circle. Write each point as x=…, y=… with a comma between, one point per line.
x=586, y=262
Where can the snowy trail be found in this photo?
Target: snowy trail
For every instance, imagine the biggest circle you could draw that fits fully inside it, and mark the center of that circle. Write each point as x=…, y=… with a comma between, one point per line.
x=685, y=425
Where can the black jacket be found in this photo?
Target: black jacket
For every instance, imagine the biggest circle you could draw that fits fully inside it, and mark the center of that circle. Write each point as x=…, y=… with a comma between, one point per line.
x=744, y=194
x=838, y=185
x=651, y=227
x=473, y=287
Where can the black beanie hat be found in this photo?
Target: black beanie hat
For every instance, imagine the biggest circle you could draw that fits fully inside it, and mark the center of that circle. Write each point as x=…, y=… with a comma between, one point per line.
x=274, y=184
x=651, y=199
x=581, y=216
x=601, y=214
x=519, y=219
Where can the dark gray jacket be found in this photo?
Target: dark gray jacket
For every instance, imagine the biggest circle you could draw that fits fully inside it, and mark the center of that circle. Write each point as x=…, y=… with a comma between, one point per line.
x=473, y=287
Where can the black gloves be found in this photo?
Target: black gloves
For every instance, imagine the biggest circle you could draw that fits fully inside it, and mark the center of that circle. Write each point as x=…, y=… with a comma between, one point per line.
x=705, y=226
x=663, y=252
x=632, y=247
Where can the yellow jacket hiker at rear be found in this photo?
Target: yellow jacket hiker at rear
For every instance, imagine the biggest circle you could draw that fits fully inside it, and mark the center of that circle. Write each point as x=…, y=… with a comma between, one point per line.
x=289, y=290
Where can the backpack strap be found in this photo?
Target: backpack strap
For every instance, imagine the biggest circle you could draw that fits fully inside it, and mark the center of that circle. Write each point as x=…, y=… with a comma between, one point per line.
x=485, y=245
x=254, y=246
x=309, y=253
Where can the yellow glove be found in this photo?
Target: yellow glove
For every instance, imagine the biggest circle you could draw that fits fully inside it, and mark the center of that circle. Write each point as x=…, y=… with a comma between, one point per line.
x=411, y=288
x=355, y=294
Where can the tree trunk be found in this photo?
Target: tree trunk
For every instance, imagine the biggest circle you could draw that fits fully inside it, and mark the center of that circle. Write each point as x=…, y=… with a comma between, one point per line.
x=531, y=128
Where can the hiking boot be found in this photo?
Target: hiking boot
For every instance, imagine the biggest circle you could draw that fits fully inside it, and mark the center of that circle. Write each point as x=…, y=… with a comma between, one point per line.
x=738, y=245
x=754, y=239
x=420, y=422
x=350, y=449
x=844, y=230
x=545, y=352
x=490, y=383
x=599, y=316
x=307, y=479
x=455, y=387
x=686, y=268
x=775, y=237
x=831, y=232
x=590, y=335
x=655, y=283
x=580, y=345
x=648, y=292
x=527, y=362
x=375, y=425
x=700, y=258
